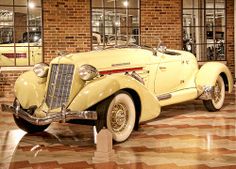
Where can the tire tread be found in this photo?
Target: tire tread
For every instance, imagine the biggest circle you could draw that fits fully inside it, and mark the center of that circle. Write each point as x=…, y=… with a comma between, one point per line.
x=209, y=106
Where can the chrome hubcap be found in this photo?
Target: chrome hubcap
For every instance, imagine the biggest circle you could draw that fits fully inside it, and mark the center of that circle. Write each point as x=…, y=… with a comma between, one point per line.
x=119, y=117
x=217, y=92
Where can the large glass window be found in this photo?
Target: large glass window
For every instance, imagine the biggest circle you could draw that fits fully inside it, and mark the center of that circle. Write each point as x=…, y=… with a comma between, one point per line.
x=20, y=32
x=115, y=22
x=204, y=29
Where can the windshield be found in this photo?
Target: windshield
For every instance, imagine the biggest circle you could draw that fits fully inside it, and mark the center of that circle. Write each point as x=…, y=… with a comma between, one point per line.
x=33, y=37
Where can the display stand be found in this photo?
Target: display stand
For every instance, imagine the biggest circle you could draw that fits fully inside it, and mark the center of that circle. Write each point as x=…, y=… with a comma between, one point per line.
x=104, y=151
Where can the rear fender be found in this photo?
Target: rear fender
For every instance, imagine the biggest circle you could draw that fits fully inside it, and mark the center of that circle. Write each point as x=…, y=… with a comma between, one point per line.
x=103, y=87
x=207, y=75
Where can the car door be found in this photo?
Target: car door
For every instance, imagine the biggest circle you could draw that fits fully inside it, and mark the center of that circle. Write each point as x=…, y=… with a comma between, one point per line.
x=169, y=74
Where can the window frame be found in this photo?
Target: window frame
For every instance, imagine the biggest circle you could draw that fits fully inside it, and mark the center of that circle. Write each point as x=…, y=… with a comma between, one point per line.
x=28, y=27
x=205, y=44
x=127, y=27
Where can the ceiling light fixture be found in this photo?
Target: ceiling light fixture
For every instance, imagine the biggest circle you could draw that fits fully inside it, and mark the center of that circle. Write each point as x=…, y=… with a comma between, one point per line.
x=117, y=23
x=31, y=5
x=126, y=3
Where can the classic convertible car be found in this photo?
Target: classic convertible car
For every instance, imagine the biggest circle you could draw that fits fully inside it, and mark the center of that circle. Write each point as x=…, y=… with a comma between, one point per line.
x=117, y=88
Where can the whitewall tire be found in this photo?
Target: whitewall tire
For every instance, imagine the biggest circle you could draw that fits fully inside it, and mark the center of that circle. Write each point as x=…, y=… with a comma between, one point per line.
x=119, y=114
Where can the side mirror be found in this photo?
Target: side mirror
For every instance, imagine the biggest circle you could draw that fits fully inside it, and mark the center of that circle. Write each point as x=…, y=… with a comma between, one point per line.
x=161, y=47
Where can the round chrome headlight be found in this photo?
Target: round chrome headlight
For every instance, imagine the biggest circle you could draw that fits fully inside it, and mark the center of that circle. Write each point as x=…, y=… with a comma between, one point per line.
x=87, y=72
x=41, y=69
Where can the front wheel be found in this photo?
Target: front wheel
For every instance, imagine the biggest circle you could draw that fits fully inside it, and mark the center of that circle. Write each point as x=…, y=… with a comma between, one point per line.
x=217, y=102
x=27, y=126
x=118, y=114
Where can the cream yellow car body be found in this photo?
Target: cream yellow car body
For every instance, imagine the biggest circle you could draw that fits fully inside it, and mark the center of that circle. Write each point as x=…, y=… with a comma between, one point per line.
x=169, y=78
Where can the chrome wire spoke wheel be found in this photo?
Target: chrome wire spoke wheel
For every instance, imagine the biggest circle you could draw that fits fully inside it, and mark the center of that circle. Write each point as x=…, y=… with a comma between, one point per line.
x=119, y=117
x=217, y=92
x=218, y=96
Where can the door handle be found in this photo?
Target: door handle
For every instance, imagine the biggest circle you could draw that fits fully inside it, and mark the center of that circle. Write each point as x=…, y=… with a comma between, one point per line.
x=162, y=68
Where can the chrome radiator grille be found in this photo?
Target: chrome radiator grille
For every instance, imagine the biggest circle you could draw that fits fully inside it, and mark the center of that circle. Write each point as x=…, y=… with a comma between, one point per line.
x=59, y=85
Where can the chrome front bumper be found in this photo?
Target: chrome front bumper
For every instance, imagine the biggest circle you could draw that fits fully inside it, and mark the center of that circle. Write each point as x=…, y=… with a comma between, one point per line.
x=62, y=116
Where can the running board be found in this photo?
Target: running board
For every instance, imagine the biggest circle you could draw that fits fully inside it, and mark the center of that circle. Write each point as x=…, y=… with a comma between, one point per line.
x=178, y=96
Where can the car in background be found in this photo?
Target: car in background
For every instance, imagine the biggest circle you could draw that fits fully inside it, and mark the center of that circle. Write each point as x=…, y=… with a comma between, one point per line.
x=100, y=42
x=25, y=54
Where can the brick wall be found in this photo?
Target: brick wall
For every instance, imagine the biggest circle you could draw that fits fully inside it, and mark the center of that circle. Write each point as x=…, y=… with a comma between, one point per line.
x=230, y=35
x=7, y=80
x=66, y=26
x=161, y=19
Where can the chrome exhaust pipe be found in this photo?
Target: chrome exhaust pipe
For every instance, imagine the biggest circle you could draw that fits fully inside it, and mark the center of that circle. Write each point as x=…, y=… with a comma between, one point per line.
x=62, y=116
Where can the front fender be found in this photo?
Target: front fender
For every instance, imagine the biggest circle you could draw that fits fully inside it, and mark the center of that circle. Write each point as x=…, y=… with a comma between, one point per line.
x=209, y=72
x=30, y=89
x=104, y=87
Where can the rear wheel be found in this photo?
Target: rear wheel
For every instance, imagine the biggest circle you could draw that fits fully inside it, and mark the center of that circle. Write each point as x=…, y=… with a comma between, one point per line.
x=117, y=113
x=26, y=126
x=217, y=102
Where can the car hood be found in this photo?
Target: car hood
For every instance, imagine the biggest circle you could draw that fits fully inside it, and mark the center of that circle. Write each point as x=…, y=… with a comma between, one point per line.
x=107, y=59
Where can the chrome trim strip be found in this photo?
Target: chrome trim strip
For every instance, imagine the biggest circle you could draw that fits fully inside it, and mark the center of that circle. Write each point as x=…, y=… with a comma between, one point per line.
x=164, y=96
x=63, y=116
x=120, y=64
x=125, y=70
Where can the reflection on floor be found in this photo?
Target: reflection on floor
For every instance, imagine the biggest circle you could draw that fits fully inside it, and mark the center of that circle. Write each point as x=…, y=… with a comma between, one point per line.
x=185, y=136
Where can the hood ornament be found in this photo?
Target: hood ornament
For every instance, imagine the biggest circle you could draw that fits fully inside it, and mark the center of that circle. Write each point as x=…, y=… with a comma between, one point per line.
x=61, y=53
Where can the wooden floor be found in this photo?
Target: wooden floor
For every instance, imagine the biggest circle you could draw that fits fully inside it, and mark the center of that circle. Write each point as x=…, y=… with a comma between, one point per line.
x=184, y=136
